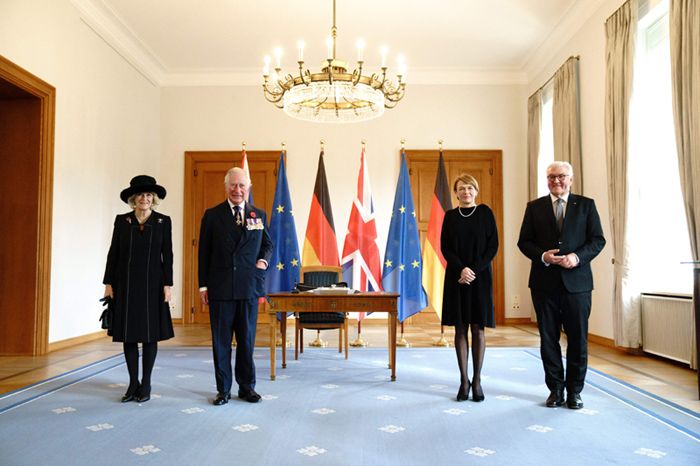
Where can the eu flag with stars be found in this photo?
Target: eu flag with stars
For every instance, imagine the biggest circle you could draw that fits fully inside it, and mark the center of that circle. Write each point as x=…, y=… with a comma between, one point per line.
x=283, y=269
x=402, y=261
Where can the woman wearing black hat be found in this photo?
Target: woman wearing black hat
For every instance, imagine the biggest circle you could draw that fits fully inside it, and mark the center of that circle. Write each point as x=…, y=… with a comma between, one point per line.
x=138, y=277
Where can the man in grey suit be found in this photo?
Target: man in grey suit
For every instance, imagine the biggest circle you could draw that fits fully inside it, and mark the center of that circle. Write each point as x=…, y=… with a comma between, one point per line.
x=561, y=234
x=234, y=250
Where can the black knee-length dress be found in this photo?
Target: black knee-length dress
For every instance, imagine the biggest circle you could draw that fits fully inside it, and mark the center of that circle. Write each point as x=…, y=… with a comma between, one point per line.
x=469, y=238
x=139, y=265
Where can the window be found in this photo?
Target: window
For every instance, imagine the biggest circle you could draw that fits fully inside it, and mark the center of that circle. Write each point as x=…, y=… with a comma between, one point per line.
x=657, y=227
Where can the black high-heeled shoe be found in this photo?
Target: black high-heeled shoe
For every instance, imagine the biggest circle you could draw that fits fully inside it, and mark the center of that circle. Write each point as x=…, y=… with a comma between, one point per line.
x=130, y=394
x=143, y=394
x=463, y=393
x=477, y=392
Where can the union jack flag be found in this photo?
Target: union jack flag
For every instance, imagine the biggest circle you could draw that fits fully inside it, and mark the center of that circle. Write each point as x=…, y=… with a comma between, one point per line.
x=361, y=263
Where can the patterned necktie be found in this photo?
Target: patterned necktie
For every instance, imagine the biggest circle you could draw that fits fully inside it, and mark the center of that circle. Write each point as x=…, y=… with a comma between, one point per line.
x=237, y=215
x=559, y=213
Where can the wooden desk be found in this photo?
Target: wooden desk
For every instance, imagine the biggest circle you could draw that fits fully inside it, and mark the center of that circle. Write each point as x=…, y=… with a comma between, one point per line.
x=309, y=302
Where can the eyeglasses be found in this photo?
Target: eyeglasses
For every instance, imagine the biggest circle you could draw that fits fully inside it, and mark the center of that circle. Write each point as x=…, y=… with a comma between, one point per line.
x=560, y=177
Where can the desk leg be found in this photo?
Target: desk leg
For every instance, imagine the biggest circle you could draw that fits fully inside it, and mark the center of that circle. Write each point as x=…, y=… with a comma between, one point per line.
x=283, y=329
x=388, y=335
x=392, y=346
x=273, y=338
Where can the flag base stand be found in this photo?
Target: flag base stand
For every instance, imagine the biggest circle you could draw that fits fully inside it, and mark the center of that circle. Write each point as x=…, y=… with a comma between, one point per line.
x=441, y=342
x=403, y=342
x=359, y=342
x=318, y=343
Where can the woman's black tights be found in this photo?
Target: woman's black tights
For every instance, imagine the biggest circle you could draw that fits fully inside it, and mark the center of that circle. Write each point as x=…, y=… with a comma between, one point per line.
x=131, y=354
x=462, y=350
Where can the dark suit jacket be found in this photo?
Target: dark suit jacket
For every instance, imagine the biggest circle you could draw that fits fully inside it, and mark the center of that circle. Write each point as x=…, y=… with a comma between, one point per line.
x=581, y=234
x=226, y=267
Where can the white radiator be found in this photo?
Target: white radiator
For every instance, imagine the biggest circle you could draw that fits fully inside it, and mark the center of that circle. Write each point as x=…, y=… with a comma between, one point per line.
x=667, y=323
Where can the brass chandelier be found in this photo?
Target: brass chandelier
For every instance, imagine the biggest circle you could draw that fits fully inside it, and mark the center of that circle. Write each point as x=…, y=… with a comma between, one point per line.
x=333, y=95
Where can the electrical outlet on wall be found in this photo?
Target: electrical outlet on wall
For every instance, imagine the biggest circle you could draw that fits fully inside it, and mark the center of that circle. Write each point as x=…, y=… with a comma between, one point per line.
x=516, y=301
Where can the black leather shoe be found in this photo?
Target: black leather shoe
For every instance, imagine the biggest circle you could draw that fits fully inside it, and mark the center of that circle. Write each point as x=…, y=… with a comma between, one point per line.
x=130, y=395
x=555, y=399
x=143, y=394
x=477, y=392
x=250, y=396
x=573, y=401
x=463, y=393
x=221, y=399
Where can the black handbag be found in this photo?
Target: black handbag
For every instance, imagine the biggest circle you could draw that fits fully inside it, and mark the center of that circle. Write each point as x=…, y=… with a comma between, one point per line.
x=106, y=317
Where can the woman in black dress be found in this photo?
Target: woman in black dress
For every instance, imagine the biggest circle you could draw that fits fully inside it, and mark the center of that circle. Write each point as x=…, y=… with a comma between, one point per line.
x=138, y=277
x=469, y=242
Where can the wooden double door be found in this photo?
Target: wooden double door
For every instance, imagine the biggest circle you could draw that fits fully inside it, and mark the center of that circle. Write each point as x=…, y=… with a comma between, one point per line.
x=486, y=167
x=204, y=188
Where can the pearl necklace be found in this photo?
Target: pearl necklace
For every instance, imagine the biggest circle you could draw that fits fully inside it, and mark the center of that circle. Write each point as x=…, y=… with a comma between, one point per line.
x=459, y=209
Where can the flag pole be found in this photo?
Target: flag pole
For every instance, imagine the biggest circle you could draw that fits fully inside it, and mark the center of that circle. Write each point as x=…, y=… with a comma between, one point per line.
x=318, y=342
x=442, y=341
x=359, y=342
x=402, y=342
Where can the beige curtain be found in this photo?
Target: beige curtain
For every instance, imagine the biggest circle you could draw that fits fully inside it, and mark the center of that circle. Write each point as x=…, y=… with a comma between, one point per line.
x=534, y=123
x=684, y=29
x=567, y=119
x=620, y=32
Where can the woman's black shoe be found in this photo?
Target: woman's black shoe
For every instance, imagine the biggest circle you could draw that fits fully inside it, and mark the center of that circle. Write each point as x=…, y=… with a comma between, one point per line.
x=143, y=394
x=463, y=393
x=477, y=392
x=130, y=394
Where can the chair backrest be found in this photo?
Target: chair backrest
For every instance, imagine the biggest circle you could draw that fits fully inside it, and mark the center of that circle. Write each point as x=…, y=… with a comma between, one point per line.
x=321, y=275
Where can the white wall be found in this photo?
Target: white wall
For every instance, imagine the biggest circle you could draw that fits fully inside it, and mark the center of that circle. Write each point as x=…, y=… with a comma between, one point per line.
x=107, y=130
x=589, y=43
x=112, y=123
x=466, y=117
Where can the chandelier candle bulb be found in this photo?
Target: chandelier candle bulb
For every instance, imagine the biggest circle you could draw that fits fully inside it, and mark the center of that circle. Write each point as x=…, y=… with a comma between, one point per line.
x=301, y=44
x=329, y=46
x=360, y=49
x=266, y=67
x=384, y=51
x=278, y=58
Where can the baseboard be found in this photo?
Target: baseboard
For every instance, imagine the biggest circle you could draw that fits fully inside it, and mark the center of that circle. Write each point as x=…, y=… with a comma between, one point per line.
x=602, y=341
x=518, y=321
x=61, y=344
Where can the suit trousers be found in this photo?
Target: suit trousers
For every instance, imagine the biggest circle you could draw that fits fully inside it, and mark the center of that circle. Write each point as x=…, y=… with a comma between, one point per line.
x=557, y=309
x=238, y=316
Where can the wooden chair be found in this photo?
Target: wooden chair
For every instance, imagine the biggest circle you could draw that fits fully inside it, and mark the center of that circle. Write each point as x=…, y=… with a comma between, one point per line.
x=320, y=275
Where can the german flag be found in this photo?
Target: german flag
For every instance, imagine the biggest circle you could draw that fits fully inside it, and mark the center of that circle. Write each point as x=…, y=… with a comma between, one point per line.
x=320, y=244
x=433, y=261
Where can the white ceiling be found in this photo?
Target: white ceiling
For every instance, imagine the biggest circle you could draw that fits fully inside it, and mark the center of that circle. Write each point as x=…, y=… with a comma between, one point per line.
x=188, y=42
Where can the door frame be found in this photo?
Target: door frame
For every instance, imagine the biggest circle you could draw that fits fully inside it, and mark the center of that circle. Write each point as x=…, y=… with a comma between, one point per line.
x=495, y=156
x=46, y=93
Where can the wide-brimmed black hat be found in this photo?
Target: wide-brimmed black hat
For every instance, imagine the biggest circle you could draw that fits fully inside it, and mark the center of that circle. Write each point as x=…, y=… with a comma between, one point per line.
x=142, y=184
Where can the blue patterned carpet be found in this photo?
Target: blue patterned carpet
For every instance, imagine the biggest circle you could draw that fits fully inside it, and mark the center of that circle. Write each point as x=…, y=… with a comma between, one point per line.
x=323, y=410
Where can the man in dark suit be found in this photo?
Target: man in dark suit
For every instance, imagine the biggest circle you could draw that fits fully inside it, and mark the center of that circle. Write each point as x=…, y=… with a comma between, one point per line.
x=234, y=250
x=561, y=234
